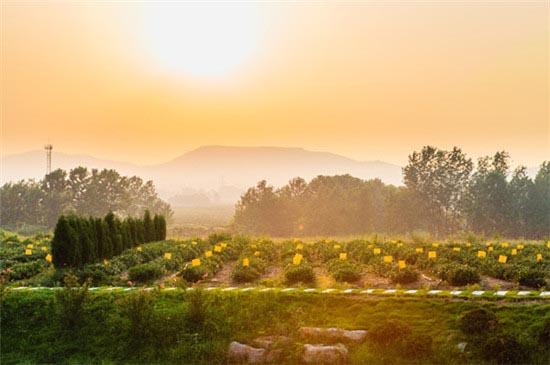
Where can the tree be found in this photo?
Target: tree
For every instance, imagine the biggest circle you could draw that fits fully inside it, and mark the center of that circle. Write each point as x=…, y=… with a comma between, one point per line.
x=439, y=178
x=148, y=227
x=539, y=203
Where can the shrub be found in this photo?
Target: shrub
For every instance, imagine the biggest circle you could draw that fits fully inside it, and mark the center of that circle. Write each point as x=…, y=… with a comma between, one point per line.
x=247, y=274
x=193, y=274
x=389, y=333
x=404, y=276
x=461, y=275
x=505, y=349
x=477, y=321
x=302, y=273
x=344, y=270
x=145, y=272
x=531, y=277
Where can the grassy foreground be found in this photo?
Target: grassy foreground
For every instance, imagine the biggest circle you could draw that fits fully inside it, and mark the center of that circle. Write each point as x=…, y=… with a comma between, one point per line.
x=188, y=327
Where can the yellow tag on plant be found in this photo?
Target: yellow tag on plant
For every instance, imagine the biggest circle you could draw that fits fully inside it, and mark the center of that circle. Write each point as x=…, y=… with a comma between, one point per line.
x=299, y=246
x=481, y=253
x=548, y=244
x=336, y=247
x=196, y=262
x=28, y=252
x=105, y=262
x=388, y=258
x=457, y=249
x=167, y=255
x=218, y=248
x=208, y=253
x=401, y=264
x=49, y=258
x=502, y=259
x=520, y=247
x=343, y=256
x=327, y=241
x=490, y=248
x=432, y=254
x=44, y=248
x=393, y=241
x=399, y=244
x=376, y=251
x=138, y=249
x=504, y=244
x=246, y=262
x=30, y=245
x=253, y=246
x=468, y=244
x=514, y=252
x=257, y=253
x=223, y=244
x=489, y=244
x=296, y=240
x=539, y=256
x=297, y=259
x=435, y=244
x=419, y=250
x=194, y=242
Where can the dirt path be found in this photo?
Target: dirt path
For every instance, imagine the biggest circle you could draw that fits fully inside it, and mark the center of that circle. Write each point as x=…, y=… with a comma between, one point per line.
x=223, y=277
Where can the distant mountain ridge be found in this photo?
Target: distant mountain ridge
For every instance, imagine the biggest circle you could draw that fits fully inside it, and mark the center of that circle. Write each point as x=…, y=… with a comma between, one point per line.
x=212, y=167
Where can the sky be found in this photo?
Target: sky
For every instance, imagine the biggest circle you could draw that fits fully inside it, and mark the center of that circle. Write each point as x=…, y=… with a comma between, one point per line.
x=145, y=82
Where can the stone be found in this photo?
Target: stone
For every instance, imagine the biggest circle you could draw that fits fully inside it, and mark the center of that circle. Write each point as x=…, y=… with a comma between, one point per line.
x=333, y=334
x=320, y=354
x=240, y=353
x=462, y=346
x=267, y=342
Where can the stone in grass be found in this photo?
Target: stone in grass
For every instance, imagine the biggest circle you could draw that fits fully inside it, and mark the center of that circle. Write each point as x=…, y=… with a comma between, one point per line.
x=320, y=354
x=240, y=353
x=333, y=334
x=461, y=346
x=267, y=342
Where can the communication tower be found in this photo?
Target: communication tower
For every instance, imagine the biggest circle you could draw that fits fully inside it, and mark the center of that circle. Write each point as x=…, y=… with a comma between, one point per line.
x=48, y=149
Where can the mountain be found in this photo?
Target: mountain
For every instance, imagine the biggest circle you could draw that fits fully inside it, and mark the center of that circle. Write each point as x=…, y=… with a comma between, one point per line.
x=224, y=169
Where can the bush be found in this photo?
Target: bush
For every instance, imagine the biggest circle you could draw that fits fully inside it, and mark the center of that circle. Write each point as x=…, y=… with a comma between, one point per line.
x=389, y=333
x=534, y=278
x=404, y=276
x=344, y=270
x=477, y=321
x=302, y=273
x=461, y=275
x=193, y=274
x=247, y=274
x=505, y=349
x=145, y=272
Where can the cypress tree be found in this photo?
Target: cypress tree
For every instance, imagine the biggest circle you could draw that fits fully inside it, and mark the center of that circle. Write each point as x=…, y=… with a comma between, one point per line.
x=100, y=234
x=162, y=221
x=148, y=227
x=156, y=227
x=60, y=243
x=108, y=227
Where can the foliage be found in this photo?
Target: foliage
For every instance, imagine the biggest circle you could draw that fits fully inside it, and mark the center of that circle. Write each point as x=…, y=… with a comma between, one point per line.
x=477, y=321
x=302, y=273
x=344, y=270
x=404, y=276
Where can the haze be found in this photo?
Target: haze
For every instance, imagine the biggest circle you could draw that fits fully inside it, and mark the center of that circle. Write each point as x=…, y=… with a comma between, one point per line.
x=144, y=82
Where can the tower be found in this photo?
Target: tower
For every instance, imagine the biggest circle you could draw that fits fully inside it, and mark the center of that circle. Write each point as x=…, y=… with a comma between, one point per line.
x=48, y=149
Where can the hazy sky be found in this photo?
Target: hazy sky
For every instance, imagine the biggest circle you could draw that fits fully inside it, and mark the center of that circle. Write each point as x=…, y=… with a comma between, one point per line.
x=145, y=82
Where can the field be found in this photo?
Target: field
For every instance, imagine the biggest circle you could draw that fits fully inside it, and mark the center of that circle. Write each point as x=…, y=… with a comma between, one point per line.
x=185, y=301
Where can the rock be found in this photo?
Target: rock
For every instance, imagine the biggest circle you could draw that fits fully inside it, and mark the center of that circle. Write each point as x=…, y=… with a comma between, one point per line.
x=320, y=354
x=239, y=353
x=333, y=334
x=462, y=346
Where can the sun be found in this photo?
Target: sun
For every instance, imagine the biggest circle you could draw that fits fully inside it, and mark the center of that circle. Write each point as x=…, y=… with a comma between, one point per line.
x=201, y=40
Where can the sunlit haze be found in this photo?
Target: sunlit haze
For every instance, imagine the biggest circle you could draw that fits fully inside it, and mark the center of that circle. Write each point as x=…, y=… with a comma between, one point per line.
x=145, y=82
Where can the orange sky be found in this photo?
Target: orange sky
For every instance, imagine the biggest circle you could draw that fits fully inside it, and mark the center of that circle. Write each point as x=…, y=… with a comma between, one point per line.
x=369, y=80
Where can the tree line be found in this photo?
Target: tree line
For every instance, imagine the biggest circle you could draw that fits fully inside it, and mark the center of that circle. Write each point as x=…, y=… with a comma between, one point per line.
x=442, y=195
x=78, y=240
x=80, y=192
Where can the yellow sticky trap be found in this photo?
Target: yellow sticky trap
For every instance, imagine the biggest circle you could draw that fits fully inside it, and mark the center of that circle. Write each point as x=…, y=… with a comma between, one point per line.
x=481, y=253
x=44, y=248
x=297, y=259
x=432, y=254
x=49, y=258
x=539, y=256
x=370, y=246
x=388, y=258
x=327, y=241
x=490, y=248
x=167, y=255
x=488, y=244
x=376, y=251
x=514, y=252
x=246, y=262
x=223, y=244
x=343, y=256
x=296, y=240
x=138, y=249
x=401, y=264
x=257, y=253
x=208, y=253
x=504, y=244
x=194, y=243
x=30, y=245
x=419, y=250
x=520, y=247
x=457, y=249
x=468, y=244
x=253, y=246
x=28, y=252
x=393, y=241
x=336, y=247
x=196, y=262
x=399, y=244
x=502, y=259
x=435, y=244
x=218, y=248
x=548, y=244
x=299, y=246
x=105, y=262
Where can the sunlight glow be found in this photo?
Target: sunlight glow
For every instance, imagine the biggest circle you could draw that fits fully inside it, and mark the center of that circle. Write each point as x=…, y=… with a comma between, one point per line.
x=205, y=40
